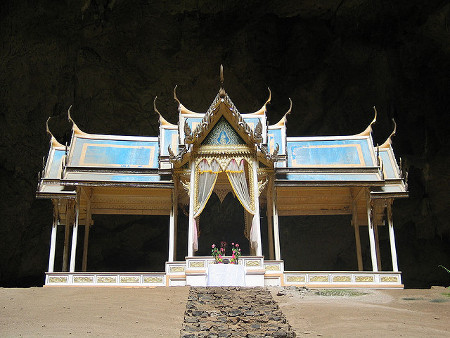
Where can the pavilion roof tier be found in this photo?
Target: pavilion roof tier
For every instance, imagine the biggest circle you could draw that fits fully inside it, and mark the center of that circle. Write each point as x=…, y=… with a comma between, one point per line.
x=195, y=131
x=111, y=160
x=49, y=185
x=330, y=161
x=394, y=177
x=277, y=140
x=194, y=127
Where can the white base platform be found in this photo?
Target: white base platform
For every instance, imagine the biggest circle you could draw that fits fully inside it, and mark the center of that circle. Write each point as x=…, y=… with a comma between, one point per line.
x=258, y=272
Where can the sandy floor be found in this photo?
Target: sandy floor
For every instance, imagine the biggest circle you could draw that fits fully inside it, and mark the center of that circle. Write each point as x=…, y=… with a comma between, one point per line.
x=159, y=312
x=58, y=311
x=387, y=313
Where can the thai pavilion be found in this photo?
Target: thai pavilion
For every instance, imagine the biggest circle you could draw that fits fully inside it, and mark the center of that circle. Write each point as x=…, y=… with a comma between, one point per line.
x=219, y=152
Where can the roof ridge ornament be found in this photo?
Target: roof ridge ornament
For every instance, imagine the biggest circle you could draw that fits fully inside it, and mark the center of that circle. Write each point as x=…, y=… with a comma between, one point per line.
x=283, y=120
x=175, y=95
x=53, y=141
x=263, y=109
x=222, y=92
x=388, y=141
x=75, y=129
x=162, y=120
x=257, y=134
x=368, y=130
x=182, y=109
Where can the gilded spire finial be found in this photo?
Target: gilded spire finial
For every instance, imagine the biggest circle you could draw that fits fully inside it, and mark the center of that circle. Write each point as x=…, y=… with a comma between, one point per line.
x=222, y=92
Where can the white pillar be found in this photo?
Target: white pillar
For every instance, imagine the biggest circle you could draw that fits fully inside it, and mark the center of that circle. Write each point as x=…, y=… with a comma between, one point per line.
x=85, y=247
x=373, y=253
x=357, y=236
x=191, y=212
x=377, y=246
x=75, y=235
x=66, y=237
x=51, y=256
x=276, y=229
x=257, y=214
x=86, y=233
x=173, y=223
x=392, y=238
x=269, y=220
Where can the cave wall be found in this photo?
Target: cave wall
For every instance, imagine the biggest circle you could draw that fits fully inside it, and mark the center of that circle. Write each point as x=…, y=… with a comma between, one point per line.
x=335, y=59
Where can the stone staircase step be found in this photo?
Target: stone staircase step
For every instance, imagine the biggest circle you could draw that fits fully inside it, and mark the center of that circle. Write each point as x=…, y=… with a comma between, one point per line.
x=233, y=312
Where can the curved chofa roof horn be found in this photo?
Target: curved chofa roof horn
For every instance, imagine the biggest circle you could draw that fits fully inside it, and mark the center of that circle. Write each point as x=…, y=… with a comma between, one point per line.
x=162, y=120
x=263, y=109
x=368, y=130
x=388, y=142
x=283, y=120
x=182, y=109
x=75, y=129
x=53, y=141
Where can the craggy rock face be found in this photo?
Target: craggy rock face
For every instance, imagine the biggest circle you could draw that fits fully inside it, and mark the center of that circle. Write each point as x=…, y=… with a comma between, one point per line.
x=335, y=59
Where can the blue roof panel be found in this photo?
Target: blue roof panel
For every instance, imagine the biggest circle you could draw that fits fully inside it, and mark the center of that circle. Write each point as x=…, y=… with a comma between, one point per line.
x=115, y=153
x=330, y=153
x=55, y=164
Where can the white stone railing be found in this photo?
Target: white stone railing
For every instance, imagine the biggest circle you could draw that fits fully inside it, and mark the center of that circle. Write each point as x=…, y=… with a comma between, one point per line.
x=106, y=278
x=258, y=272
x=343, y=279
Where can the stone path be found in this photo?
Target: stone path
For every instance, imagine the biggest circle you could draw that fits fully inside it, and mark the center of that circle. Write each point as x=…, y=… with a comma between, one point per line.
x=233, y=312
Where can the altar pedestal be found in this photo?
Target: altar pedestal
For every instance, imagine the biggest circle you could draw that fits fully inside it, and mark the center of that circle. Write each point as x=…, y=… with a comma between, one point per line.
x=225, y=275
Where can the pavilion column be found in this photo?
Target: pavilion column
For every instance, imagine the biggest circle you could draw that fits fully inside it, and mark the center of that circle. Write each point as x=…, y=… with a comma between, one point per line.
x=173, y=223
x=69, y=215
x=392, y=237
x=85, y=246
x=377, y=246
x=373, y=253
x=86, y=232
x=191, y=211
x=66, y=247
x=75, y=234
x=51, y=256
x=276, y=228
x=257, y=222
x=269, y=219
x=357, y=237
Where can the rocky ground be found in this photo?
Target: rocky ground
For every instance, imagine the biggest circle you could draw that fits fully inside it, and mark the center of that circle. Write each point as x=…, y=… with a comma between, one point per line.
x=233, y=312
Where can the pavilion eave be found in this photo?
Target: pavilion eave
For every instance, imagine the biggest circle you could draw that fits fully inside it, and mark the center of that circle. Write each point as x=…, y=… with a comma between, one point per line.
x=166, y=184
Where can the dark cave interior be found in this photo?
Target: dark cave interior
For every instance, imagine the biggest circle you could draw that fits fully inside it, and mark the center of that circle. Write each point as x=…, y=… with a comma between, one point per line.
x=334, y=59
